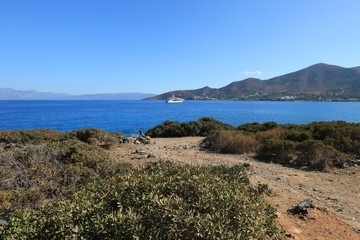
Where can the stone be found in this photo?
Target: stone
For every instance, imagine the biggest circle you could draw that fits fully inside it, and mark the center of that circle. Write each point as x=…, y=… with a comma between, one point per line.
x=246, y=165
x=302, y=208
x=144, y=140
x=3, y=222
x=334, y=197
x=345, y=165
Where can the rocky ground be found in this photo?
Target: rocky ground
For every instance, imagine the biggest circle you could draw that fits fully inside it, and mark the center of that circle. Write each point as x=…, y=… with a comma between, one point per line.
x=335, y=194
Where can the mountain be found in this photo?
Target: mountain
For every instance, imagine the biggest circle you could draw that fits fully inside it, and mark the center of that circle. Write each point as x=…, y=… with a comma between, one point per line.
x=11, y=94
x=317, y=82
x=112, y=96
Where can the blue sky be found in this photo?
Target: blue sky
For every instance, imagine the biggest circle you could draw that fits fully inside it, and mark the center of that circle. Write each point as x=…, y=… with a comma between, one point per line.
x=155, y=46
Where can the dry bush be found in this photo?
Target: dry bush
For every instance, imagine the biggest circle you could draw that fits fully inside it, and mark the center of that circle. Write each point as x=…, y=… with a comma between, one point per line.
x=318, y=156
x=275, y=134
x=34, y=173
x=231, y=142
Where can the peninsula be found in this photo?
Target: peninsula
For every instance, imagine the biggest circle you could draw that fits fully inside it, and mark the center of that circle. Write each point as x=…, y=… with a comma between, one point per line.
x=319, y=82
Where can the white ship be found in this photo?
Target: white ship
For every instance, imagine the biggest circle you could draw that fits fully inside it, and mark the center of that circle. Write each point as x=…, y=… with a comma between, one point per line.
x=174, y=99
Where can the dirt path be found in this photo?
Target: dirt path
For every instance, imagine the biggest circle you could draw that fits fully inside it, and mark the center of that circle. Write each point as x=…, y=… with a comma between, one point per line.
x=336, y=195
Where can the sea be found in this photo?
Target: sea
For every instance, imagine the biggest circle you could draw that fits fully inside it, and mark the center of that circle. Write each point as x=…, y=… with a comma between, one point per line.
x=128, y=116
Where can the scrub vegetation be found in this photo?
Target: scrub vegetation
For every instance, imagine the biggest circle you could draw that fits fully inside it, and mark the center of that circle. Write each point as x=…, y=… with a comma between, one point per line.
x=202, y=127
x=314, y=146
x=58, y=185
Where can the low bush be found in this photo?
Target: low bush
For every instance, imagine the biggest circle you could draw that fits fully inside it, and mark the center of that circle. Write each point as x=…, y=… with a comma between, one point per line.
x=94, y=136
x=230, y=142
x=343, y=136
x=278, y=151
x=316, y=155
x=278, y=133
x=158, y=201
x=312, y=154
x=256, y=127
x=317, y=146
x=77, y=152
x=23, y=137
x=35, y=173
x=201, y=127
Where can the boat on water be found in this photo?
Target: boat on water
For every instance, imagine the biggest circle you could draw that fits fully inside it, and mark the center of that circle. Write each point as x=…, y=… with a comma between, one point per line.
x=174, y=99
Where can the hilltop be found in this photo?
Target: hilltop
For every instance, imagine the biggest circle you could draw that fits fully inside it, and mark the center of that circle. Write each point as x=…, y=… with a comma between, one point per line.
x=317, y=82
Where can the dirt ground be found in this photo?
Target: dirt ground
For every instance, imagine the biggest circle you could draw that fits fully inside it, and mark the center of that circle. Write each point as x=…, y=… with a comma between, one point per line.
x=336, y=194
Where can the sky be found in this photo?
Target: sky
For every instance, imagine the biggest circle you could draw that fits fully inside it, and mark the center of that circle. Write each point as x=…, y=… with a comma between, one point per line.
x=156, y=46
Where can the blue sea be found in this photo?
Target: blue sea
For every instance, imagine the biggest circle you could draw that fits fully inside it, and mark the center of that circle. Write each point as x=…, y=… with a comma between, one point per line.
x=130, y=116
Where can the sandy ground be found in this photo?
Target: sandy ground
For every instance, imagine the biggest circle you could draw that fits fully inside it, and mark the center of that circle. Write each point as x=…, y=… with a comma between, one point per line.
x=336, y=194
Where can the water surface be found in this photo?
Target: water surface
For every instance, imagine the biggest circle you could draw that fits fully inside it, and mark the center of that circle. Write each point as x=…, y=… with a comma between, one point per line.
x=129, y=116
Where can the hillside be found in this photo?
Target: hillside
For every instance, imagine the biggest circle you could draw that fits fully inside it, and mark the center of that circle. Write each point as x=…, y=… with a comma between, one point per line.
x=317, y=82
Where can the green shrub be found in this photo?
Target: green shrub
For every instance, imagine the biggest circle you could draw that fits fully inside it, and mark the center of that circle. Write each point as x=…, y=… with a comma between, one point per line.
x=94, y=136
x=278, y=151
x=298, y=135
x=316, y=155
x=158, y=201
x=23, y=137
x=256, y=127
x=201, y=127
x=77, y=152
x=318, y=145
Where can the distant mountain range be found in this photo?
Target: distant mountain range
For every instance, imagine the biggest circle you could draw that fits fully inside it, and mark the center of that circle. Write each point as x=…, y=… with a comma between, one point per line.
x=321, y=82
x=11, y=94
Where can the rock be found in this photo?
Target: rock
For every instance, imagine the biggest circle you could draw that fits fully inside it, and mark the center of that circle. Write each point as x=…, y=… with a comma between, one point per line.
x=124, y=140
x=246, y=165
x=145, y=140
x=3, y=222
x=151, y=156
x=302, y=208
x=334, y=197
x=138, y=151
